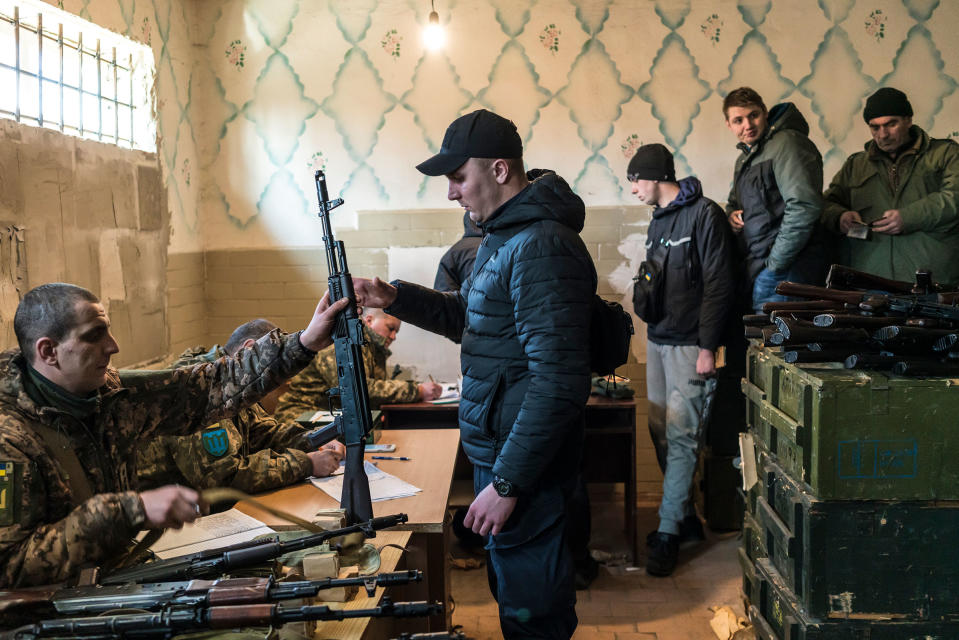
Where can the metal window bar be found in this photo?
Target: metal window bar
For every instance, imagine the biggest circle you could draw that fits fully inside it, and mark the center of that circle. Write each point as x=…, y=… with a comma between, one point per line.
x=63, y=45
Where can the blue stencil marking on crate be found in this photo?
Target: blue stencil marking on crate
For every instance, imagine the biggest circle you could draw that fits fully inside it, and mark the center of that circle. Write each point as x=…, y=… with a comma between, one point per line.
x=878, y=459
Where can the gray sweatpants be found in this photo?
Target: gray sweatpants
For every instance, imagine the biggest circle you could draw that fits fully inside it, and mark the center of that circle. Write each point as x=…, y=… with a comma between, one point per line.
x=676, y=393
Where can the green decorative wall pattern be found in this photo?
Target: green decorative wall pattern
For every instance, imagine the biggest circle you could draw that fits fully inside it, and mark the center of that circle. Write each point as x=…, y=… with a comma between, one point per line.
x=316, y=79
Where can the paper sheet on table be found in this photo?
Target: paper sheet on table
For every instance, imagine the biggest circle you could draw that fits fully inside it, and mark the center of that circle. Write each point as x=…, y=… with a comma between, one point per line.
x=450, y=393
x=383, y=486
x=209, y=532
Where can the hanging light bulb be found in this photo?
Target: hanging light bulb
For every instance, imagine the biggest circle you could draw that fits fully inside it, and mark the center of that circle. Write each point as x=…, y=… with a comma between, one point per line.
x=434, y=37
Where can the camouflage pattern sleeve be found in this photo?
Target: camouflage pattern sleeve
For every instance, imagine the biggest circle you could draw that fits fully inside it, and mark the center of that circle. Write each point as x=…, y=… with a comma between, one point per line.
x=383, y=389
x=42, y=539
x=155, y=466
x=183, y=400
x=308, y=388
x=217, y=456
x=265, y=432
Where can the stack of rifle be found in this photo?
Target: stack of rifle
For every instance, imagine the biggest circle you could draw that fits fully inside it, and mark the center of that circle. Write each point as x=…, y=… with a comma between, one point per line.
x=188, y=594
x=865, y=322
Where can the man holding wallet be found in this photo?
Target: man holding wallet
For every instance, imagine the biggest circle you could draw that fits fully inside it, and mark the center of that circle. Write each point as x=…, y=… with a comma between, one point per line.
x=897, y=202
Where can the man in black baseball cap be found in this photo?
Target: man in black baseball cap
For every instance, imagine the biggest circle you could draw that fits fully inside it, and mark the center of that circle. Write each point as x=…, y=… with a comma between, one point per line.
x=480, y=134
x=903, y=189
x=523, y=320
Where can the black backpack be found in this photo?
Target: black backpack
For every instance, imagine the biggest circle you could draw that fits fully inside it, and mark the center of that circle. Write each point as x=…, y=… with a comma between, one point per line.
x=610, y=331
x=610, y=326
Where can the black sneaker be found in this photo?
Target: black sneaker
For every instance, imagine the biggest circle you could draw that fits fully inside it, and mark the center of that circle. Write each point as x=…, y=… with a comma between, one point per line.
x=662, y=551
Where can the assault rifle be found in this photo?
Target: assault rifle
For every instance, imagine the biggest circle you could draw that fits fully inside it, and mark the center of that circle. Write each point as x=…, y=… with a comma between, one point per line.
x=97, y=600
x=354, y=422
x=938, y=306
x=213, y=563
x=173, y=622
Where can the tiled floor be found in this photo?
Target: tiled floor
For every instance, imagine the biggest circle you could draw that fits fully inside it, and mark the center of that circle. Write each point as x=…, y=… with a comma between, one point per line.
x=622, y=604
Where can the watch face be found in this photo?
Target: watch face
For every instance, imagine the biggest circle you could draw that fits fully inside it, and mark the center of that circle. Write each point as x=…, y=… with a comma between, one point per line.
x=503, y=487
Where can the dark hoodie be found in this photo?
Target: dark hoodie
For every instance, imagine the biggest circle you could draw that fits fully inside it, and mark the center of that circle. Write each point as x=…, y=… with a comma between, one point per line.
x=778, y=185
x=457, y=263
x=690, y=235
x=524, y=321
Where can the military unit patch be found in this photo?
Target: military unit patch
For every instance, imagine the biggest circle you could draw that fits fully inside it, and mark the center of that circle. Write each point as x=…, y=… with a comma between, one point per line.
x=7, y=493
x=215, y=441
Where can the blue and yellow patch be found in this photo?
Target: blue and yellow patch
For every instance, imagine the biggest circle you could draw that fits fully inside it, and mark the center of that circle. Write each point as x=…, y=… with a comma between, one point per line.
x=215, y=441
x=8, y=497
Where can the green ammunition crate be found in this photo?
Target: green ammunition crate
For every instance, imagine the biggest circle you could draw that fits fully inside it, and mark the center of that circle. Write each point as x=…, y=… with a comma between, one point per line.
x=721, y=493
x=776, y=615
x=750, y=576
x=865, y=559
x=754, y=538
x=856, y=435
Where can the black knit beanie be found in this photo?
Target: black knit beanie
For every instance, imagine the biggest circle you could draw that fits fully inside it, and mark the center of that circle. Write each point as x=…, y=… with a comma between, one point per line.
x=887, y=102
x=651, y=162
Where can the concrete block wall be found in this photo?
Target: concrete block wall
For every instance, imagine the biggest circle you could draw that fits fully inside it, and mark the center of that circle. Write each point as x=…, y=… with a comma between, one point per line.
x=283, y=285
x=186, y=300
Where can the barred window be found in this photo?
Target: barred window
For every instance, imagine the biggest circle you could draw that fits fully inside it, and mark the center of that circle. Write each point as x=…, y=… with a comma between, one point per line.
x=61, y=72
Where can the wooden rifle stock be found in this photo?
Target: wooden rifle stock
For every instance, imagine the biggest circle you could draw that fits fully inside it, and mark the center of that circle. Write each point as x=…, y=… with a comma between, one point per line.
x=843, y=277
x=787, y=288
x=841, y=320
x=802, y=305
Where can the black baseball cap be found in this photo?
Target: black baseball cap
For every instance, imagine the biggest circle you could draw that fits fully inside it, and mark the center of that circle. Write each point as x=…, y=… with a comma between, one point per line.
x=480, y=134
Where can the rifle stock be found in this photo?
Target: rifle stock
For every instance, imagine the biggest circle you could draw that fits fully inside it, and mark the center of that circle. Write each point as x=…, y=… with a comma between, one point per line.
x=216, y=562
x=169, y=623
x=97, y=600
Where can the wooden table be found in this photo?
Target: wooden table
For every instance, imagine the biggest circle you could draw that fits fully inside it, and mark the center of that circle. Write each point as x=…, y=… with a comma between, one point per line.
x=370, y=628
x=433, y=453
x=609, y=454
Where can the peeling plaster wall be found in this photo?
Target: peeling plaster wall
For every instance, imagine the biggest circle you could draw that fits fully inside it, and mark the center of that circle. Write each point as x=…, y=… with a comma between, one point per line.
x=92, y=214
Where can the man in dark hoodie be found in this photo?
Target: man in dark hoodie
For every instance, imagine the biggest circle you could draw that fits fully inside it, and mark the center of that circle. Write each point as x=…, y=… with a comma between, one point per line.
x=524, y=321
x=690, y=247
x=457, y=263
x=776, y=199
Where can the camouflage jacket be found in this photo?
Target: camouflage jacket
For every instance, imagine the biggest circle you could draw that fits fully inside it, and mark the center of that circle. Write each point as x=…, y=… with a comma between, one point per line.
x=251, y=452
x=308, y=389
x=47, y=534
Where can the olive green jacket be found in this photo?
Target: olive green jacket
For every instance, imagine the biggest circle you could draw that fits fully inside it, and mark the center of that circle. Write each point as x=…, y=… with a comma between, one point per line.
x=927, y=197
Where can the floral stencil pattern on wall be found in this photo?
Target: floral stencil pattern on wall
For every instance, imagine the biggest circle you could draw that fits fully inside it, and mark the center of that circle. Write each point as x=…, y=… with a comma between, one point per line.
x=630, y=145
x=711, y=28
x=317, y=162
x=391, y=43
x=876, y=25
x=236, y=53
x=186, y=172
x=550, y=38
x=145, y=31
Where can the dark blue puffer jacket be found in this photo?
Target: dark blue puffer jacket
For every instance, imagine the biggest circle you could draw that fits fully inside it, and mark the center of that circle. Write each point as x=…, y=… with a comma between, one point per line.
x=524, y=320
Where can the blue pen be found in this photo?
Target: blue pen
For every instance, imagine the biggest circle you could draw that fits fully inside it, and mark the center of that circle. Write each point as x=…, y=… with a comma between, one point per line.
x=390, y=458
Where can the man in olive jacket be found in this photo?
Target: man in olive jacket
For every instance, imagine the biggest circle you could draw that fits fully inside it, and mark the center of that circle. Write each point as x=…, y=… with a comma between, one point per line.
x=524, y=320
x=905, y=187
x=69, y=424
x=776, y=198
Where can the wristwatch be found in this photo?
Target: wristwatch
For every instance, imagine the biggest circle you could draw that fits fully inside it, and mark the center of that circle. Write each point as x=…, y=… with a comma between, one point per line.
x=504, y=488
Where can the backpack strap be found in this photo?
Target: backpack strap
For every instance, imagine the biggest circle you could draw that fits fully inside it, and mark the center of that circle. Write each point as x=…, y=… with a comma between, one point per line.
x=63, y=452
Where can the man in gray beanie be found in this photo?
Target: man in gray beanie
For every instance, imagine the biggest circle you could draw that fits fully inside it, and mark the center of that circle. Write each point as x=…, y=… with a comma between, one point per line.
x=897, y=202
x=684, y=294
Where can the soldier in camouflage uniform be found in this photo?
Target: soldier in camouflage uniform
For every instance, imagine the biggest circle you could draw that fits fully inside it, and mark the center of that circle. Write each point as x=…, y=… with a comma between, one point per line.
x=308, y=389
x=251, y=451
x=69, y=424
